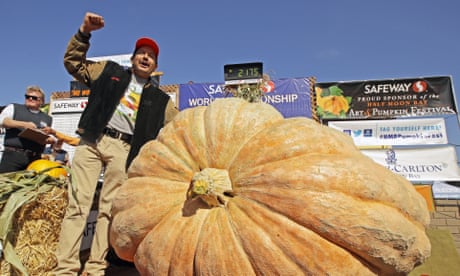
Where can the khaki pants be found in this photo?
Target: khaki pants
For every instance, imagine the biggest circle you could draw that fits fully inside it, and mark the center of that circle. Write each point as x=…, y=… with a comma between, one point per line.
x=86, y=168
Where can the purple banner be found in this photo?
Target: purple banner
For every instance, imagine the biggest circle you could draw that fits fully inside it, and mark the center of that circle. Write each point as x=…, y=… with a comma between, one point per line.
x=291, y=97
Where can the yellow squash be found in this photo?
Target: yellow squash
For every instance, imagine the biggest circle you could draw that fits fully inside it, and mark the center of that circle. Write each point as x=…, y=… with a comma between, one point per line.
x=42, y=165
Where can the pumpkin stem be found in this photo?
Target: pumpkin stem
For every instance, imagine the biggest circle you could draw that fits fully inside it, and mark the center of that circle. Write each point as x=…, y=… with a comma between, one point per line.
x=249, y=92
x=212, y=186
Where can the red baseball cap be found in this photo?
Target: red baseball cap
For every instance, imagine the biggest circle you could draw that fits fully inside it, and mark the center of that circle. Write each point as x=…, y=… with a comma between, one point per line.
x=145, y=41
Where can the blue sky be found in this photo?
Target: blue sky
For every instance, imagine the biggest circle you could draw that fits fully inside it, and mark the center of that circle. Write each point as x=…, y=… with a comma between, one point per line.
x=332, y=40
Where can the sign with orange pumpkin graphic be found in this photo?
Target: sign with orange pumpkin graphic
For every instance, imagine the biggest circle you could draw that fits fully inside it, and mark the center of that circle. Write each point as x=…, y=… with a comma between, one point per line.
x=384, y=99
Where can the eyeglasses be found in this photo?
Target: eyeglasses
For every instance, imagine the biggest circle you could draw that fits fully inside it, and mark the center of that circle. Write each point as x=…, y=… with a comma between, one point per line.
x=31, y=97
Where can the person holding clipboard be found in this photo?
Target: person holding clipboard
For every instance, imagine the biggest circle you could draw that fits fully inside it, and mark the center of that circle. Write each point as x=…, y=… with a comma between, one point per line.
x=24, y=142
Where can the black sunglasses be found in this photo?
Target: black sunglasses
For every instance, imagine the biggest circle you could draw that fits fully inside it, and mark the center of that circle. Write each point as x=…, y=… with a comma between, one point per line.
x=30, y=97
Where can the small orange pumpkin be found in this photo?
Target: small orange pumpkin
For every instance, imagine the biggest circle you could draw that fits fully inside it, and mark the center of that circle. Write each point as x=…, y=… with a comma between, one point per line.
x=41, y=165
x=236, y=189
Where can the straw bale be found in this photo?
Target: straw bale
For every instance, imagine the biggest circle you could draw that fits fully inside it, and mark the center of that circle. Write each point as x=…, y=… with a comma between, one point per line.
x=36, y=232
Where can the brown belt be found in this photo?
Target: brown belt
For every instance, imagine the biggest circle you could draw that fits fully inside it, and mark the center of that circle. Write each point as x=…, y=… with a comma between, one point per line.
x=25, y=151
x=117, y=134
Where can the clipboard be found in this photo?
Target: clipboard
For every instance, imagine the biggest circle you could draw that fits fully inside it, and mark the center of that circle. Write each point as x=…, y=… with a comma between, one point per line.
x=35, y=135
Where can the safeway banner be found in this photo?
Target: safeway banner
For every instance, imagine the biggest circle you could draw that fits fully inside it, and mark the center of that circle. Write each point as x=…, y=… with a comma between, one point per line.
x=291, y=97
x=423, y=131
x=66, y=114
x=68, y=105
x=390, y=98
x=421, y=164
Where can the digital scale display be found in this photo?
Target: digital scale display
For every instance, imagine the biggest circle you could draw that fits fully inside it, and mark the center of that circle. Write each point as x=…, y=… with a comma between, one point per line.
x=243, y=73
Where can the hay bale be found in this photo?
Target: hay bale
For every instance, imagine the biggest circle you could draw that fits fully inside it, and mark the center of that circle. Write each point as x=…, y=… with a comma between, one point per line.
x=36, y=228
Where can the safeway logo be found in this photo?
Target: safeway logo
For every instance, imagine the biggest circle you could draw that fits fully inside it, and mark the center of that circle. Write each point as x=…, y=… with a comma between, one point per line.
x=419, y=86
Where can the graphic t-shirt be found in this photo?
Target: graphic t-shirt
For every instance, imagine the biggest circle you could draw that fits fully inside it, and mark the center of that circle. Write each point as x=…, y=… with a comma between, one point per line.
x=125, y=114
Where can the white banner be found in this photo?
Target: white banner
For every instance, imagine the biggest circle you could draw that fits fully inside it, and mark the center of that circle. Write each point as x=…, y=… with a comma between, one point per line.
x=68, y=105
x=428, y=131
x=444, y=190
x=123, y=60
x=421, y=164
x=66, y=114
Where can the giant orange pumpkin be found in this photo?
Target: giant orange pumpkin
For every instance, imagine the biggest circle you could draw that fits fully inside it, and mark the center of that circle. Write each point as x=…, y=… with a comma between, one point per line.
x=236, y=189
